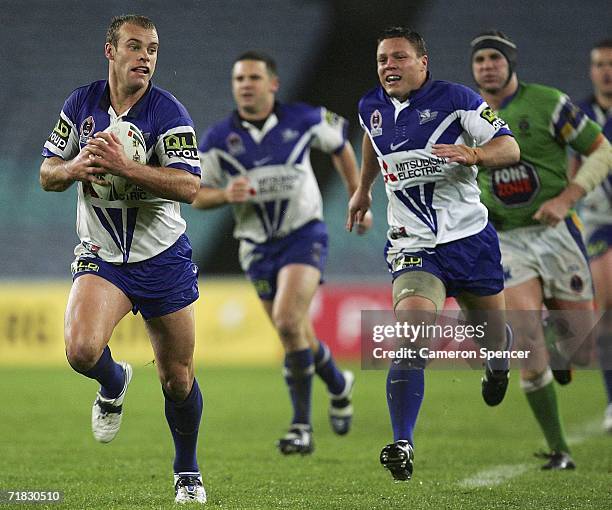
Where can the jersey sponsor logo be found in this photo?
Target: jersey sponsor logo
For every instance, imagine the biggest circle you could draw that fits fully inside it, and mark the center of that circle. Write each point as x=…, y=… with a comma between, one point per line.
x=426, y=116
x=262, y=287
x=90, y=247
x=60, y=134
x=404, y=261
x=490, y=116
x=524, y=126
x=397, y=233
x=388, y=176
x=376, y=123
x=84, y=266
x=181, y=145
x=414, y=168
x=234, y=143
x=516, y=185
x=262, y=161
x=86, y=129
x=394, y=146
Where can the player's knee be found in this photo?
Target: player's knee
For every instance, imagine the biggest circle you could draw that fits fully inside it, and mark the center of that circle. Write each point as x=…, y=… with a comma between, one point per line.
x=81, y=356
x=532, y=380
x=177, y=385
x=288, y=327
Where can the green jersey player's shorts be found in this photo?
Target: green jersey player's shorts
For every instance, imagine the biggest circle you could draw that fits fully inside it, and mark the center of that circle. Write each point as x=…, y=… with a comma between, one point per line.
x=555, y=255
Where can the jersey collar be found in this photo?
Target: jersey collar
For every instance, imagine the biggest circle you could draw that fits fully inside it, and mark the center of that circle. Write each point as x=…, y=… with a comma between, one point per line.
x=237, y=120
x=507, y=100
x=134, y=111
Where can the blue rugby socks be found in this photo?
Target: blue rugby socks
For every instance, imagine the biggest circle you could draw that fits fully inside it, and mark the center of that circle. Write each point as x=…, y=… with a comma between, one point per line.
x=326, y=369
x=405, y=391
x=184, y=422
x=299, y=368
x=108, y=373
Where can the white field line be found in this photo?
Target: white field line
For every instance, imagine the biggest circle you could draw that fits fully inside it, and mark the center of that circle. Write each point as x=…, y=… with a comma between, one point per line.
x=499, y=474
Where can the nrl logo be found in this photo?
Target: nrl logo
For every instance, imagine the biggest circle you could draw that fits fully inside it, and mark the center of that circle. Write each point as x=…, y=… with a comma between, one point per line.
x=376, y=123
x=87, y=127
x=426, y=115
x=234, y=144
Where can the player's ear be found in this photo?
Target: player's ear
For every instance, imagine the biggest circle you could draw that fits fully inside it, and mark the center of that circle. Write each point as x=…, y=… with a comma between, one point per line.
x=109, y=51
x=274, y=84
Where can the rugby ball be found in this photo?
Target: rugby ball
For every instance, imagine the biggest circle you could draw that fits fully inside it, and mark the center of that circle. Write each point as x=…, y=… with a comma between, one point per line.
x=134, y=147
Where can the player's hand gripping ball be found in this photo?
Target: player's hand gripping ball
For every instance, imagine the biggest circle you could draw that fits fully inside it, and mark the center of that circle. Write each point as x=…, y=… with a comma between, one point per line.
x=134, y=147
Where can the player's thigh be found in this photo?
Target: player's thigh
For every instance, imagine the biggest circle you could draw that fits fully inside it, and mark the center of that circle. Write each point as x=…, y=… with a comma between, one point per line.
x=296, y=286
x=418, y=291
x=95, y=307
x=173, y=339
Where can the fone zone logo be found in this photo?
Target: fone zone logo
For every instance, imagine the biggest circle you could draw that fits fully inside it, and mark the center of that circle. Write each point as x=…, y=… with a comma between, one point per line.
x=516, y=185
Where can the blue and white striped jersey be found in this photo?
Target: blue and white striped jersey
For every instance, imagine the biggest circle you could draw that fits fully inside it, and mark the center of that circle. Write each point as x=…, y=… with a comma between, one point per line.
x=596, y=207
x=139, y=225
x=276, y=159
x=430, y=201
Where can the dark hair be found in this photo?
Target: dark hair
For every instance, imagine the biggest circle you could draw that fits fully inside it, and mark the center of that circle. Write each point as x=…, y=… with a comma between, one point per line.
x=605, y=43
x=260, y=56
x=411, y=36
x=112, y=34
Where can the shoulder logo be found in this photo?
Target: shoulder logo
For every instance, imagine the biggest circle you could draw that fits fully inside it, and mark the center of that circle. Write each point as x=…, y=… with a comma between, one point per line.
x=491, y=117
x=376, y=123
x=181, y=145
x=234, y=143
x=426, y=115
x=332, y=118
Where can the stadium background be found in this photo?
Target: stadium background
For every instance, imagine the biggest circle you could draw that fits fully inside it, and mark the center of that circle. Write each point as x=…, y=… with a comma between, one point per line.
x=325, y=51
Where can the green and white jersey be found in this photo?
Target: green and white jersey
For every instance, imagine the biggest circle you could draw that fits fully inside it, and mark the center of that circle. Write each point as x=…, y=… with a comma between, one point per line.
x=544, y=121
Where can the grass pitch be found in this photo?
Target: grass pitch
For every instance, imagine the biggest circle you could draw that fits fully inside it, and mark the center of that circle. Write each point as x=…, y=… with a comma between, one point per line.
x=468, y=456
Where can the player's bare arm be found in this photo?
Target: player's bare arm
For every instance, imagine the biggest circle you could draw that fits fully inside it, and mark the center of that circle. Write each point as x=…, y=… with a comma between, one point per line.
x=360, y=202
x=346, y=165
x=163, y=182
x=498, y=152
x=58, y=175
x=237, y=191
x=555, y=210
